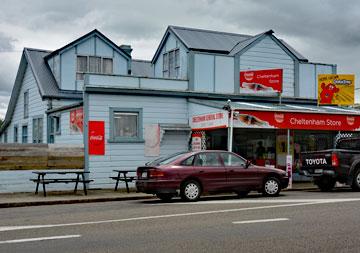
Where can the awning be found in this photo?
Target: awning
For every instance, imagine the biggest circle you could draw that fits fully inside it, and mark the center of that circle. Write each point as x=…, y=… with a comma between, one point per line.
x=288, y=116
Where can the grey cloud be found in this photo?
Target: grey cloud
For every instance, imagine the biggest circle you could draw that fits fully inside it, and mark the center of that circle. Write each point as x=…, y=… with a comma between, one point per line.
x=6, y=43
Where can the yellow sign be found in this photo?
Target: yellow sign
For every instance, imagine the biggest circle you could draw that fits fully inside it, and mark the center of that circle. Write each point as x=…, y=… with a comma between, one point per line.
x=336, y=89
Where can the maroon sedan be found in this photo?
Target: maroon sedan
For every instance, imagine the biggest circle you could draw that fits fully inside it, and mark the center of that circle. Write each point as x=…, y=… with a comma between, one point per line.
x=189, y=174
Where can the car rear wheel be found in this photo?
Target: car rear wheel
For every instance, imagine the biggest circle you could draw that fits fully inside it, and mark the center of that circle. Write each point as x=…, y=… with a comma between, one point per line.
x=271, y=187
x=325, y=183
x=356, y=181
x=166, y=197
x=191, y=191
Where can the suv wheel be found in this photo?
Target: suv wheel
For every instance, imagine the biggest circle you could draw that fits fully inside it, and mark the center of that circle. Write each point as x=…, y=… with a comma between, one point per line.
x=356, y=181
x=191, y=191
x=271, y=187
x=325, y=184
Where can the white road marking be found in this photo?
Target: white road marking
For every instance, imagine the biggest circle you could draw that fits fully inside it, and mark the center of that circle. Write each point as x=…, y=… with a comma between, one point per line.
x=259, y=221
x=262, y=201
x=40, y=239
x=314, y=202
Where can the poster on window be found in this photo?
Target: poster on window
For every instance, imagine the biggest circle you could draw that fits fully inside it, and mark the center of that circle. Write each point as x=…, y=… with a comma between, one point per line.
x=261, y=81
x=76, y=121
x=152, y=139
x=96, y=137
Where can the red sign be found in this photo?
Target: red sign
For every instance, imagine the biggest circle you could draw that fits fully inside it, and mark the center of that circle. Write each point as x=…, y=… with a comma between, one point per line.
x=96, y=138
x=255, y=81
x=296, y=120
x=76, y=121
x=210, y=121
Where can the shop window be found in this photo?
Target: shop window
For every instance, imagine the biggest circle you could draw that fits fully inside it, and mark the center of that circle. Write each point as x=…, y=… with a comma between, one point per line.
x=37, y=130
x=171, y=63
x=126, y=125
x=24, y=134
x=232, y=160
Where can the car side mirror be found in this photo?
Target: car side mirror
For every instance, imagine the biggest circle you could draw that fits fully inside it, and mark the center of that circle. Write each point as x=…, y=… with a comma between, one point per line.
x=248, y=163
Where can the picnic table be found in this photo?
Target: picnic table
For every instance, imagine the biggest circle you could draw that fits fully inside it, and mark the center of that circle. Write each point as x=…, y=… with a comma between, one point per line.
x=76, y=176
x=122, y=176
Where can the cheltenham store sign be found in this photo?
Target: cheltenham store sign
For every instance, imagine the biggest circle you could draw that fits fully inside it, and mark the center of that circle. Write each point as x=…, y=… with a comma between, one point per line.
x=296, y=120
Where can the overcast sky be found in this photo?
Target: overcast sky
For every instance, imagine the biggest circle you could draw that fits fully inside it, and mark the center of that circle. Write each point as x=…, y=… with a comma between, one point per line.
x=325, y=31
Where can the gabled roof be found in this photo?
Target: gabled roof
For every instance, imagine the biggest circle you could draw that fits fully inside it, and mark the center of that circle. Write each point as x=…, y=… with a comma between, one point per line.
x=217, y=42
x=94, y=32
x=46, y=83
x=141, y=68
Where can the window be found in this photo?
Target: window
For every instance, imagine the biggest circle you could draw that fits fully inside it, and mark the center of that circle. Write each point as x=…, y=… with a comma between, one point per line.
x=125, y=125
x=24, y=134
x=26, y=104
x=107, y=66
x=188, y=162
x=54, y=127
x=207, y=159
x=37, y=130
x=232, y=160
x=171, y=64
x=5, y=137
x=93, y=64
x=15, y=134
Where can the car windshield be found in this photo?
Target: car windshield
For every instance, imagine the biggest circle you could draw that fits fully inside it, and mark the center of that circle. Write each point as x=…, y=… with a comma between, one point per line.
x=166, y=159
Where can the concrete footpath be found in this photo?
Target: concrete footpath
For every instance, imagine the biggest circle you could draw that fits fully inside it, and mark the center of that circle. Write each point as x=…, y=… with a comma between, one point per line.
x=102, y=195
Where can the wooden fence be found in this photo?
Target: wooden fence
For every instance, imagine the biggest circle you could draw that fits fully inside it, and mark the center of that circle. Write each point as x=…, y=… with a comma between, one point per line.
x=41, y=156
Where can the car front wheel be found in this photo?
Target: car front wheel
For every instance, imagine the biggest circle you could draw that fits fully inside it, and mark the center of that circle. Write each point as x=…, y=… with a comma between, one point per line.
x=271, y=187
x=191, y=191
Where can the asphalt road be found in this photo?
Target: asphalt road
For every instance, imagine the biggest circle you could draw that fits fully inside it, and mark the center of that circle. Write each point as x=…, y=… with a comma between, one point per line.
x=293, y=222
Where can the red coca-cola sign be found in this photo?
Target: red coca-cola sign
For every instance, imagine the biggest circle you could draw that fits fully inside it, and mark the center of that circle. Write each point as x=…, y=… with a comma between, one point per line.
x=96, y=137
x=257, y=81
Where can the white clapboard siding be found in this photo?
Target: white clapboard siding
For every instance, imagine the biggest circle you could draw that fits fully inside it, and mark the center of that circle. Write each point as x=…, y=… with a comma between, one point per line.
x=268, y=55
x=156, y=110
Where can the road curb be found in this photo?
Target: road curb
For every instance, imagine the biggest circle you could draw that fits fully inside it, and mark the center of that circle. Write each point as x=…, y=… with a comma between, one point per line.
x=70, y=201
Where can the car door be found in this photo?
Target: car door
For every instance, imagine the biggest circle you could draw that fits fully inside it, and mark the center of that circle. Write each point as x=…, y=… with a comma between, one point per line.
x=210, y=170
x=239, y=176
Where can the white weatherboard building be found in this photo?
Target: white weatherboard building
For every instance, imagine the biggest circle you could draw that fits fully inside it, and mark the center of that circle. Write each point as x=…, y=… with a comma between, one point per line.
x=146, y=107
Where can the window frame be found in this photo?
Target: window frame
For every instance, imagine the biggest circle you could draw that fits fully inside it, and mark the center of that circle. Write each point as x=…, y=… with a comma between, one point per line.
x=16, y=133
x=88, y=66
x=36, y=138
x=22, y=133
x=138, y=138
x=173, y=72
x=26, y=104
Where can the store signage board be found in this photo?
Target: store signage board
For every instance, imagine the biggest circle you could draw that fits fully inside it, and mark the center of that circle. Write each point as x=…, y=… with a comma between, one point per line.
x=196, y=142
x=96, y=137
x=336, y=89
x=209, y=121
x=296, y=120
x=261, y=81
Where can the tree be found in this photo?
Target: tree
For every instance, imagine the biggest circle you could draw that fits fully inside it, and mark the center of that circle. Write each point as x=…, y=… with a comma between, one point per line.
x=1, y=121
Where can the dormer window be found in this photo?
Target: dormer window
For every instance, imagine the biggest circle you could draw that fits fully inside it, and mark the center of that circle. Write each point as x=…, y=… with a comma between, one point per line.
x=171, y=63
x=93, y=64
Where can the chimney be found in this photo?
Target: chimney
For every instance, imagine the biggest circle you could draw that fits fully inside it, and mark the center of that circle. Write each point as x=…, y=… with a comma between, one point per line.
x=126, y=48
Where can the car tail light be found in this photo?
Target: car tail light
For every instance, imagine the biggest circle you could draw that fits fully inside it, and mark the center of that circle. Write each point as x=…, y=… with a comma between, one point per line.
x=155, y=173
x=334, y=160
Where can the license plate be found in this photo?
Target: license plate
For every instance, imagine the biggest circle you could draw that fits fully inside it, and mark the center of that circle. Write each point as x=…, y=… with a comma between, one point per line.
x=318, y=171
x=144, y=175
